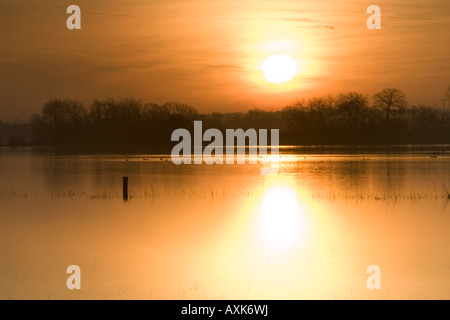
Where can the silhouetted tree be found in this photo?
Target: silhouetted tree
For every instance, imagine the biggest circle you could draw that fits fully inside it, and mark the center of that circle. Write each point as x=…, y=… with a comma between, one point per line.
x=156, y=113
x=61, y=121
x=353, y=108
x=181, y=115
x=1, y=132
x=391, y=101
x=321, y=114
x=155, y=122
x=445, y=113
x=446, y=98
x=423, y=123
x=259, y=119
x=293, y=113
x=342, y=119
x=312, y=121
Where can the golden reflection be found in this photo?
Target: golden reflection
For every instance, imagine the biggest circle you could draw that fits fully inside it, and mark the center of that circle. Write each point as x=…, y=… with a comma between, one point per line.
x=282, y=219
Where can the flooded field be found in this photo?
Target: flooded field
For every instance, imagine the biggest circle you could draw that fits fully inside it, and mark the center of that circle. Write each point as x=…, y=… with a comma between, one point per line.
x=224, y=231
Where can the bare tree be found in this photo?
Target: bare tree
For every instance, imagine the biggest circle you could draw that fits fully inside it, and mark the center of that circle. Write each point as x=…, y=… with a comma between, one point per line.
x=446, y=98
x=294, y=114
x=445, y=111
x=60, y=120
x=391, y=101
x=181, y=114
x=353, y=106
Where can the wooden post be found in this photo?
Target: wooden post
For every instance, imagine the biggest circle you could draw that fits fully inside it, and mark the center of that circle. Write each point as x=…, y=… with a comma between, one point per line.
x=125, y=188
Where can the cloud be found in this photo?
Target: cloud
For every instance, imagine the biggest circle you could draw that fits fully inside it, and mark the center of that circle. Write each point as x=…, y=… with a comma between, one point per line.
x=317, y=27
x=111, y=14
x=219, y=66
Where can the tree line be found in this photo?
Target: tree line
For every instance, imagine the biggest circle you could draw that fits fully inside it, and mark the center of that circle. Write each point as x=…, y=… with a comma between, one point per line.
x=109, y=122
x=350, y=118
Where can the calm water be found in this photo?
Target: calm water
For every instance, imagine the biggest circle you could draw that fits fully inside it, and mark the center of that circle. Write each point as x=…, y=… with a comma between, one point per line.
x=224, y=231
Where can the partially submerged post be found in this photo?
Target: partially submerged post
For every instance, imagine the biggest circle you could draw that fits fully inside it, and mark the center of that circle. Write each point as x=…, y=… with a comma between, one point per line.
x=125, y=188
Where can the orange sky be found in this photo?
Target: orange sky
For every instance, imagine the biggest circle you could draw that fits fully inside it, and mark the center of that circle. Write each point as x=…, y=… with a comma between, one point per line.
x=209, y=53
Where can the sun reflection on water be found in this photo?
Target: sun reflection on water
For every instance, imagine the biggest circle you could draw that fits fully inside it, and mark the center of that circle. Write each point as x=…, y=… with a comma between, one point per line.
x=282, y=224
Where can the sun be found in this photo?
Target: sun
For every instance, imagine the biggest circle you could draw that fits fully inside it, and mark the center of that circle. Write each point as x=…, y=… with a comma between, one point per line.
x=279, y=68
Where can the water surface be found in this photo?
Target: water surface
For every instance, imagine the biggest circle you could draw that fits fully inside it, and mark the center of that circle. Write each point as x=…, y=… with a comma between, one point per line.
x=224, y=231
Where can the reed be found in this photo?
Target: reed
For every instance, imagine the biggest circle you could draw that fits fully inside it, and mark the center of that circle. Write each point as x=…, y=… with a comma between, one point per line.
x=224, y=193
